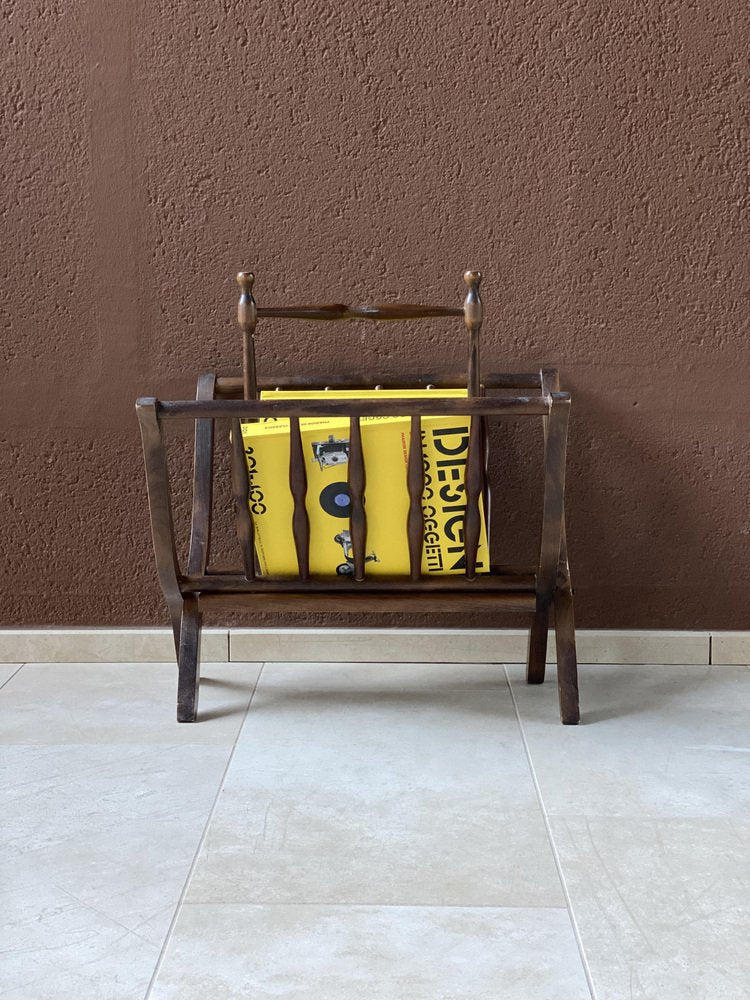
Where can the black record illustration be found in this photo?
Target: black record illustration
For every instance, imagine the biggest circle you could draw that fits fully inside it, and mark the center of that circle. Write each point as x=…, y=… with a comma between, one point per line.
x=336, y=500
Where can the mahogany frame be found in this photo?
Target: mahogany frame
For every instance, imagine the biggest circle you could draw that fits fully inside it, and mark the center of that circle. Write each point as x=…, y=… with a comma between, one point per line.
x=535, y=591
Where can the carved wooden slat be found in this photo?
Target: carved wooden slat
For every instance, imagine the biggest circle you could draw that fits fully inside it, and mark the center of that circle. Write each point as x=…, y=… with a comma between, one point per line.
x=415, y=486
x=338, y=311
x=357, y=479
x=247, y=315
x=473, y=482
x=240, y=492
x=298, y=487
x=473, y=321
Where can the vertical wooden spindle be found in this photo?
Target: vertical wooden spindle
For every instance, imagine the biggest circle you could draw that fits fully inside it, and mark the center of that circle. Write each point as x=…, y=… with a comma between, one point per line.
x=474, y=481
x=475, y=460
x=473, y=321
x=415, y=485
x=357, y=518
x=241, y=492
x=298, y=486
x=247, y=315
x=203, y=479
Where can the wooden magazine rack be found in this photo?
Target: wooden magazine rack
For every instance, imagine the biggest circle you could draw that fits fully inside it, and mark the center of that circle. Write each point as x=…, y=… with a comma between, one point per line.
x=533, y=591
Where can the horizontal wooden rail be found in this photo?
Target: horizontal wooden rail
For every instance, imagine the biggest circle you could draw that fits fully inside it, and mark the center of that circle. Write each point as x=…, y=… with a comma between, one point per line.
x=230, y=386
x=337, y=311
x=237, y=584
x=357, y=600
x=504, y=569
x=251, y=409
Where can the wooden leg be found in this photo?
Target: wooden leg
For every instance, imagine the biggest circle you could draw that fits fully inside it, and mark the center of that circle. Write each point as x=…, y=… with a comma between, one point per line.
x=175, y=615
x=567, y=663
x=553, y=521
x=188, y=662
x=537, y=656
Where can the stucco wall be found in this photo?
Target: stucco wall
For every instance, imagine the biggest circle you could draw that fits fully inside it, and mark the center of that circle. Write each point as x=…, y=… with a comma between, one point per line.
x=591, y=158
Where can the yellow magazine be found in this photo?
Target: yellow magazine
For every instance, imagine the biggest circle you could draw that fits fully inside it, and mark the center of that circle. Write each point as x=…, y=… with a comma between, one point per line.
x=385, y=445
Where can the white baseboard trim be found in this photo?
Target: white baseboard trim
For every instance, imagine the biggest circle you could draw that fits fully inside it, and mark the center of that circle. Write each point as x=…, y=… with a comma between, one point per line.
x=139, y=645
x=102, y=645
x=461, y=645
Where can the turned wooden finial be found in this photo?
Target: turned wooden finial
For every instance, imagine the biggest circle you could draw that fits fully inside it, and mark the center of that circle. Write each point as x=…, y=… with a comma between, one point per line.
x=473, y=303
x=473, y=321
x=247, y=315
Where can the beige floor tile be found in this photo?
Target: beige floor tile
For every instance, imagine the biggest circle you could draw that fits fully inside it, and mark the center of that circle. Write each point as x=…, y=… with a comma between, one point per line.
x=124, y=703
x=54, y=947
x=359, y=785
x=654, y=741
x=104, y=799
x=8, y=670
x=379, y=784
x=372, y=953
x=663, y=905
x=95, y=847
x=649, y=806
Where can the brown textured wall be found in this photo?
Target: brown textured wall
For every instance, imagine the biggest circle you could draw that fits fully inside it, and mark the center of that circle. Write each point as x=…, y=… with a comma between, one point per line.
x=591, y=158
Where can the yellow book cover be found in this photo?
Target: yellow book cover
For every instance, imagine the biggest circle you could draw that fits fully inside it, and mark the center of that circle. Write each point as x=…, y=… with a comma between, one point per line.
x=385, y=445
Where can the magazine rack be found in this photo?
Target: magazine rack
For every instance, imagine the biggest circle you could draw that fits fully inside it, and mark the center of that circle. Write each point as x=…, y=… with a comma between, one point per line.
x=534, y=591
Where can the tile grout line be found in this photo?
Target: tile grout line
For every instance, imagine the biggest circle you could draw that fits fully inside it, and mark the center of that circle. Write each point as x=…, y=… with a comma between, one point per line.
x=9, y=679
x=553, y=845
x=194, y=862
x=371, y=905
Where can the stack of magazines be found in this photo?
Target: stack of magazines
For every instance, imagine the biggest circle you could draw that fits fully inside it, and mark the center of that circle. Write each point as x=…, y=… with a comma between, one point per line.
x=385, y=445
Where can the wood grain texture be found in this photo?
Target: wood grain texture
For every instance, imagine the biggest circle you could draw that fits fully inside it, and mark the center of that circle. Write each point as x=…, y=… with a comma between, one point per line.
x=355, y=602
x=160, y=508
x=188, y=661
x=516, y=582
x=336, y=312
x=415, y=487
x=298, y=487
x=203, y=480
x=567, y=664
x=509, y=406
x=474, y=482
x=230, y=386
x=536, y=659
x=240, y=494
x=247, y=315
x=555, y=447
x=473, y=321
x=357, y=482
